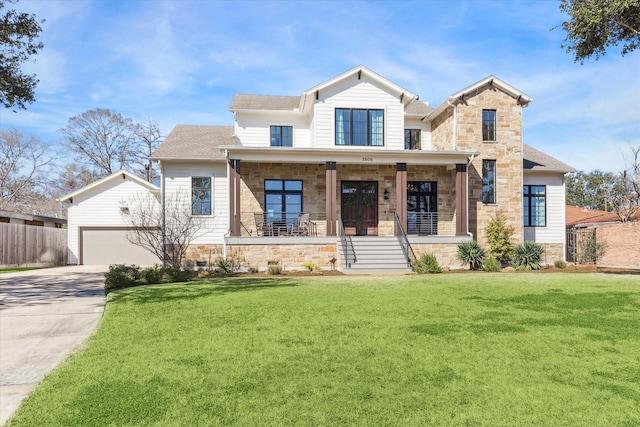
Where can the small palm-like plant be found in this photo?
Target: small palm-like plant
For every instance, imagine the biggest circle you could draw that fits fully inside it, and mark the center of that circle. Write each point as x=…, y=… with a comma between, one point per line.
x=471, y=253
x=527, y=256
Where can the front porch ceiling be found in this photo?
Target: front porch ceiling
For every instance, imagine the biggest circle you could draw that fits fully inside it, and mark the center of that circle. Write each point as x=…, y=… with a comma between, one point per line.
x=348, y=155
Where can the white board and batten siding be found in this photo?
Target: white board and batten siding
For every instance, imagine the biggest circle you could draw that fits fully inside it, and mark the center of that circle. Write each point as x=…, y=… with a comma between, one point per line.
x=354, y=93
x=99, y=207
x=177, y=178
x=554, y=232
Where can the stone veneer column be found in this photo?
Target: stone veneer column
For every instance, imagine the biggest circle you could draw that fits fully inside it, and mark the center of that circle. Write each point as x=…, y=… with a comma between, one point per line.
x=401, y=194
x=234, y=196
x=462, y=200
x=331, y=195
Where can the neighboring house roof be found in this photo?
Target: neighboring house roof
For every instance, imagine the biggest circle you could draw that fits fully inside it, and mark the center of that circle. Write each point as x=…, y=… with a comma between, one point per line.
x=34, y=217
x=188, y=142
x=492, y=81
x=535, y=160
x=112, y=177
x=575, y=215
x=264, y=102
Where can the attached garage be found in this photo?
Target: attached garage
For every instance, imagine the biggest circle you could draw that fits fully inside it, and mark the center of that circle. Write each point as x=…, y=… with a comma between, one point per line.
x=101, y=246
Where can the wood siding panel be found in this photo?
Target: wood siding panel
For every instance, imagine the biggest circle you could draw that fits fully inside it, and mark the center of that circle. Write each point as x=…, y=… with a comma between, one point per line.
x=554, y=232
x=178, y=179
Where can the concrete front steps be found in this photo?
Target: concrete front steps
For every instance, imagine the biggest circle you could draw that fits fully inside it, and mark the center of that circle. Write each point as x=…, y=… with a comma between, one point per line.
x=375, y=254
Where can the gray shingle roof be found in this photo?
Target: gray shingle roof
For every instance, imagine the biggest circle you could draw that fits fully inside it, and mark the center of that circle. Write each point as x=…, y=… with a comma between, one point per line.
x=418, y=108
x=195, y=143
x=535, y=160
x=263, y=102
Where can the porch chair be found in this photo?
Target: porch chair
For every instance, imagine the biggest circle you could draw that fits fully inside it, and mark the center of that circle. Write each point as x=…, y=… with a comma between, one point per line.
x=303, y=227
x=259, y=218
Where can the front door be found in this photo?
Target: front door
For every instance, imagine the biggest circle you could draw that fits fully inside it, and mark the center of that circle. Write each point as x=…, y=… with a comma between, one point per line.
x=359, y=207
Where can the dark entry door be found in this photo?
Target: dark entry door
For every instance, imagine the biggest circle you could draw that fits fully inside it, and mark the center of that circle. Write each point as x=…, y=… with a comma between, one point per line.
x=359, y=207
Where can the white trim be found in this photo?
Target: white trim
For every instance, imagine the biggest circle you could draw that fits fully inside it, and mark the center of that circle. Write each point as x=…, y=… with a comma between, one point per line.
x=121, y=173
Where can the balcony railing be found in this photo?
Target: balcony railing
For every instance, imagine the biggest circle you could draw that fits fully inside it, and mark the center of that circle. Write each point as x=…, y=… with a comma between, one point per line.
x=272, y=224
x=430, y=224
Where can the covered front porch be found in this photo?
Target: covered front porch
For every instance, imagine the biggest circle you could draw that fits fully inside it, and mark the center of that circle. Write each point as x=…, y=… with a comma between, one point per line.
x=303, y=194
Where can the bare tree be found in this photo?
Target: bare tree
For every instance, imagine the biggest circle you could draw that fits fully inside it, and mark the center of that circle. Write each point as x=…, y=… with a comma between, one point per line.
x=164, y=231
x=627, y=200
x=149, y=138
x=103, y=140
x=22, y=163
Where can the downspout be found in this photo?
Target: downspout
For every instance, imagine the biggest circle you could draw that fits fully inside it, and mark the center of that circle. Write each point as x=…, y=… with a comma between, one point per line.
x=473, y=156
x=228, y=233
x=455, y=122
x=164, y=222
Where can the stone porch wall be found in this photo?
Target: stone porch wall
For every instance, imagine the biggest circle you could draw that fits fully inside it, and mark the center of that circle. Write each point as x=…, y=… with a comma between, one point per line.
x=446, y=254
x=552, y=252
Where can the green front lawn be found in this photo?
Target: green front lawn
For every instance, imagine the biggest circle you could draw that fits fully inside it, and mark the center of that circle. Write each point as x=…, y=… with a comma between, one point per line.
x=456, y=349
x=15, y=269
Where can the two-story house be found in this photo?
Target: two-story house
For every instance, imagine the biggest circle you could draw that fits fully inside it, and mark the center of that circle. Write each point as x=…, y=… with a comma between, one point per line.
x=357, y=167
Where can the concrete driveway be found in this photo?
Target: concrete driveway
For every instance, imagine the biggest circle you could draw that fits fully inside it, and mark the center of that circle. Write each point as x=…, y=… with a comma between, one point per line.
x=44, y=315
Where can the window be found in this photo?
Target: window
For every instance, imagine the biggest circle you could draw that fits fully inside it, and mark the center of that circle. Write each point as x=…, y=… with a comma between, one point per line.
x=359, y=127
x=281, y=136
x=488, y=125
x=412, y=139
x=282, y=200
x=422, y=207
x=201, y=196
x=488, y=181
x=535, y=205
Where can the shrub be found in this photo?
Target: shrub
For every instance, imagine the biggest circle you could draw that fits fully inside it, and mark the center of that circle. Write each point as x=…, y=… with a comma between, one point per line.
x=492, y=264
x=121, y=276
x=253, y=269
x=311, y=266
x=559, y=263
x=471, y=253
x=427, y=263
x=152, y=275
x=177, y=274
x=591, y=250
x=273, y=267
x=223, y=266
x=527, y=256
x=498, y=235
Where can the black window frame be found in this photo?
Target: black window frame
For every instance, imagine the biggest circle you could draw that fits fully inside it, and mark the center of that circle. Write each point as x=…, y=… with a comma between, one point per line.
x=527, y=195
x=280, y=132
x=409, y=139
x=288, y=217
x=489, y=125
x=200, y=206
x=489, y=191
x=349, y=139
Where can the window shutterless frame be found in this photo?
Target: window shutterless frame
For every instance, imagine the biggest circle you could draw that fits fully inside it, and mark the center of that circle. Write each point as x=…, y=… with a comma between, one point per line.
x=282, y=201
x=534, y=199
x=201, y=195
x=489, y=181
x=488, y=125
x=412, y=139
x=281, y=136
x=363, y=127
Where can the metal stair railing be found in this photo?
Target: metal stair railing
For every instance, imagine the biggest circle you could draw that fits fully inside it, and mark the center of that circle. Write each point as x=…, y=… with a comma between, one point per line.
x=404, y=241
x=346, y=245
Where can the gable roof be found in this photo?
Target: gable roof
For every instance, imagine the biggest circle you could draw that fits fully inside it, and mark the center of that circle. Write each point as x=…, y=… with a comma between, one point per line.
x=535, y=160
x=264, y=102
x=114, y=176
x=418, y=108
x=192, y=142
x=407, y=96
x=491, y=81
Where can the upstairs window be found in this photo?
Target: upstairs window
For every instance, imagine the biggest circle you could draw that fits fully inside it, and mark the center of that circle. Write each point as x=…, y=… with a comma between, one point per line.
x=359, y=127
x=412, y=139
x=488, y=125
x=201, y=196
x=535, y=205
x=281, y=136
x=489, y=181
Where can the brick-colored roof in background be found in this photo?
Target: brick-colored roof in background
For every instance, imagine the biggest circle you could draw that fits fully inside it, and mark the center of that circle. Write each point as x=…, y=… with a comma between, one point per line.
x=418, y=108
x=538, y=161
x=575, y=215
x=190, y=142
x=264, y=102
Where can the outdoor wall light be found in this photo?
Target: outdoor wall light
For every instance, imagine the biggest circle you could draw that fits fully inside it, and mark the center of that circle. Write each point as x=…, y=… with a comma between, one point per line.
x=386, y=194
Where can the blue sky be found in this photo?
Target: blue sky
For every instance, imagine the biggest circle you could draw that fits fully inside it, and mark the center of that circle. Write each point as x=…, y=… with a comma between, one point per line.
x=181, y=62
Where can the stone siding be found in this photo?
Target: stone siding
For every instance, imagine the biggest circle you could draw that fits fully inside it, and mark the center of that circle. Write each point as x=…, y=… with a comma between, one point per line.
x=506, y=150
x=446, y=254
x=552, y=252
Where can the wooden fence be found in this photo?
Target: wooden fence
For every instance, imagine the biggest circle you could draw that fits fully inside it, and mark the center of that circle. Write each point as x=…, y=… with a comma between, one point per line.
x=31, y=245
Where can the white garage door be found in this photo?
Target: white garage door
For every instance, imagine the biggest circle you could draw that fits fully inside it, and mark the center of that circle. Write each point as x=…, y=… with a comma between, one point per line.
x=110, y=246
